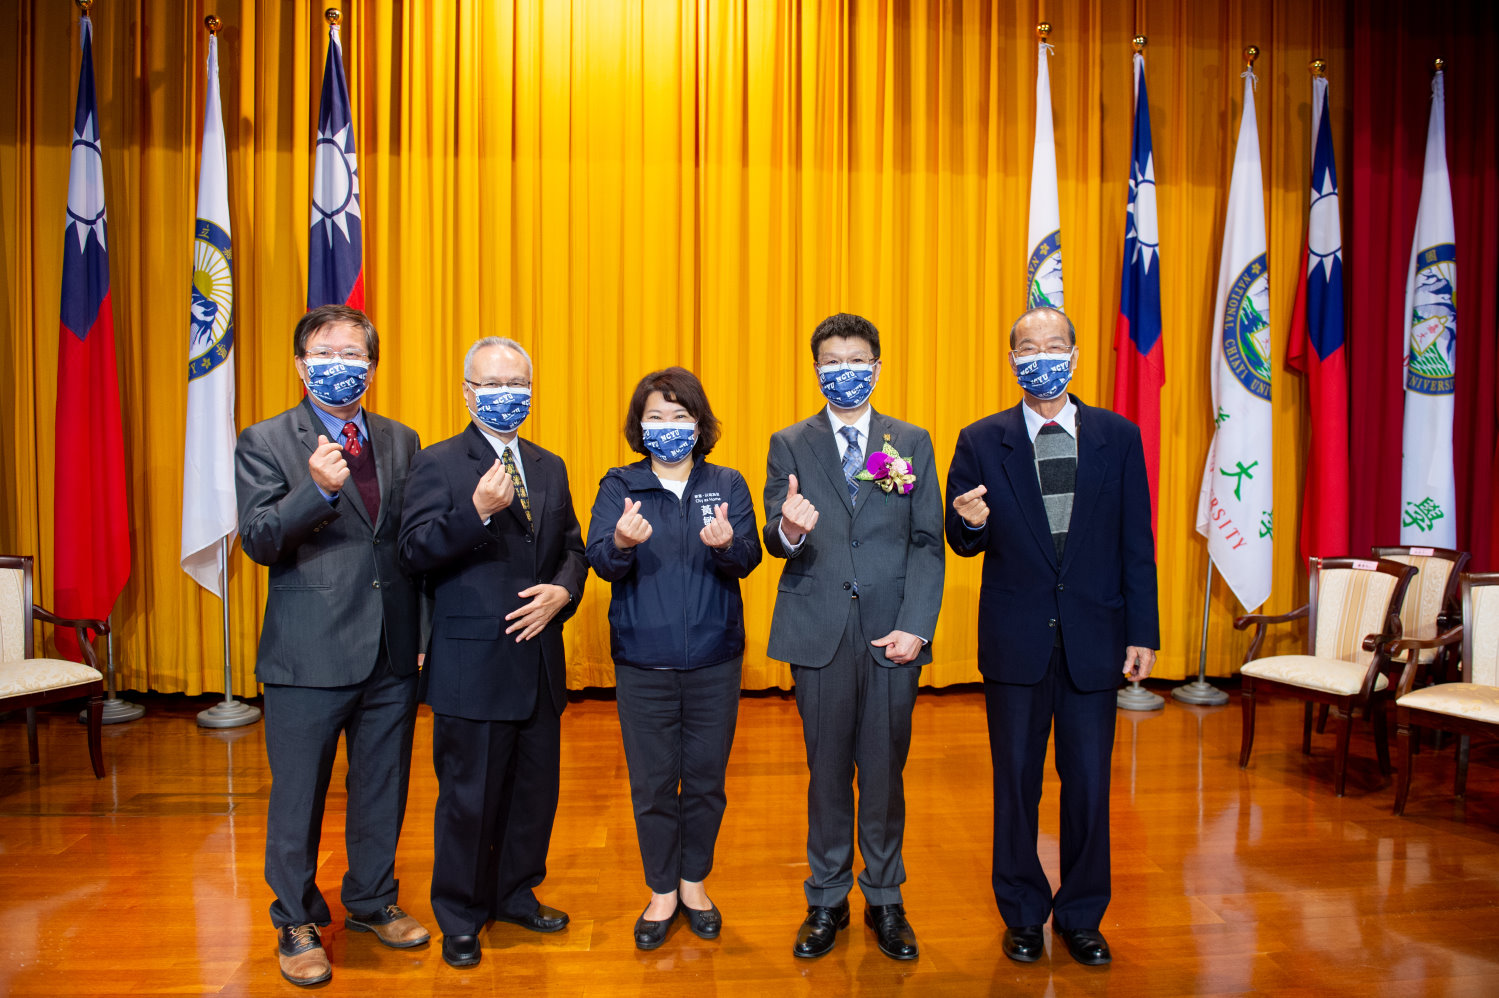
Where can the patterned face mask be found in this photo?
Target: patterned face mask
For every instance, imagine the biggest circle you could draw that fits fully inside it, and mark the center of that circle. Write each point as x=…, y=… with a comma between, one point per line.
x=846, y=386
x=1044, y=375
x=503, y=410
x=669, y=442
x=337, y=382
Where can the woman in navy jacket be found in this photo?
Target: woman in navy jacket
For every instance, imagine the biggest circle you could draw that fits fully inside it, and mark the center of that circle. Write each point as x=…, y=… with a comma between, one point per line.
x=674, y=535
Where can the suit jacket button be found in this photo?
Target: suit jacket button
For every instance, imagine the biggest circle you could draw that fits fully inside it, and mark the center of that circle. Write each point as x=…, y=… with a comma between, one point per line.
x=377, y=584
x=854, y=543
x=847, y=586
x=1050, y=623
x=377, y=541
x=1059, y=585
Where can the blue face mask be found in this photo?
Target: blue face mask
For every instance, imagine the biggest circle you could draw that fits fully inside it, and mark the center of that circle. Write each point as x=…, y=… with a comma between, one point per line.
x=337, y=382
x=503, y=410
x=1044, y=375
x=668, y=442
x=846, y=386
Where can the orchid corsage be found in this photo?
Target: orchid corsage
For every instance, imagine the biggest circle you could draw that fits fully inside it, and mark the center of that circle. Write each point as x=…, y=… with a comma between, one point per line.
x=887, y=469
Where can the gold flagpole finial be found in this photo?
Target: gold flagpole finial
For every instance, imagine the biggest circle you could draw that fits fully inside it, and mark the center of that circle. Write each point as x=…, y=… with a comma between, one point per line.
x=1250, y=54
x=333, y=15
x=84, y=5
x=1043, y=29
x=1440, y=64
x=1318, y=67
x=1138, y=42
x=213, y=24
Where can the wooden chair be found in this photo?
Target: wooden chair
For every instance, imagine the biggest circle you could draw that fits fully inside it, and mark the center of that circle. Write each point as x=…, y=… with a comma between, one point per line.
x=1466, y=707
x=1353, y=613
x=26, y=681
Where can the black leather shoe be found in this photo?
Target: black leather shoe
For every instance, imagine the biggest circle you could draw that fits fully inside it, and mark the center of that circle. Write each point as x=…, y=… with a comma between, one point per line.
x=461, y=951
x=649, y=934
x=543, y=919
x=1024, y=944
x=896, y=939
x=704, y=924
x=820, y=929
x=1087, y=946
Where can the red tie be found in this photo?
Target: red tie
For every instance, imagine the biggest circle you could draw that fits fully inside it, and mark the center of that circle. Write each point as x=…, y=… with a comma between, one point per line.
x=351, y=435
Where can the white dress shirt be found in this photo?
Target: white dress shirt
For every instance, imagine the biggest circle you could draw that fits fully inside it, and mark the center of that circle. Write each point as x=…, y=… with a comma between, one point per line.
x=1066, y=419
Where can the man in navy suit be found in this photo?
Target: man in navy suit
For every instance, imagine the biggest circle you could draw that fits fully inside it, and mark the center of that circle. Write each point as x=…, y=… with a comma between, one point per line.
x=1054, y=494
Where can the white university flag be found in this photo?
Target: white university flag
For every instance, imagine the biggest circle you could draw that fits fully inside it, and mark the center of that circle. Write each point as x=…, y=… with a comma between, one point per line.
x=1234, y=509
x=1428, y=494
x=208, y=469
x=1043, y=271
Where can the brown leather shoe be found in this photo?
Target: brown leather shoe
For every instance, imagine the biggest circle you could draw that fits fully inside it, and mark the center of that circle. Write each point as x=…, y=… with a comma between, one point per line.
x=391, y=926
x=300, y=949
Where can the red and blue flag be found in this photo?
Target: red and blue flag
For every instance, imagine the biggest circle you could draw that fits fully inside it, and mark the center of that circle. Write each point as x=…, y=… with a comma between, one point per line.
x=1140, y=368
x=335, y=259
x=1316, y=349
x=91, y=529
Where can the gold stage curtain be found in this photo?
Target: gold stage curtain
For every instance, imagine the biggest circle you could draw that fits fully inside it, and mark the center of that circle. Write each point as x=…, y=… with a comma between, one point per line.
x=626, y=184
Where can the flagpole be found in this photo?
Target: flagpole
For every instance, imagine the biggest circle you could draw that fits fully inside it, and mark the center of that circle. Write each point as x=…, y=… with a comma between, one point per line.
x=1201, y=692
x=229, y=713
x=116, y=711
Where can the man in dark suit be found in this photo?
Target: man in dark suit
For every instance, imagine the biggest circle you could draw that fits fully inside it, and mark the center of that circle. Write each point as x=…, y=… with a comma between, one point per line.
x=320, y=491
x=1054, y=494
x=855, y=612
x=491, y=527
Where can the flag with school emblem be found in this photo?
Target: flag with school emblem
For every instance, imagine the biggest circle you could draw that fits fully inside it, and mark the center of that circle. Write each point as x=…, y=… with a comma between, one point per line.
x=1315, y=348
x=335, y=259
x=1234, y=506
x=91, y=533
x=1138, y=344
x=1428, y=493
x=208, y=513
x=1043, y=271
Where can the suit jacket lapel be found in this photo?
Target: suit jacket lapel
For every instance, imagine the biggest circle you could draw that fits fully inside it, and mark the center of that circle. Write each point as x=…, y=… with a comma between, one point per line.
x=536, y=485
x=825, y=450
x=313, y=428
x=1020, y=468
x=380, y=436
x=879, y=428
x=1090, y=469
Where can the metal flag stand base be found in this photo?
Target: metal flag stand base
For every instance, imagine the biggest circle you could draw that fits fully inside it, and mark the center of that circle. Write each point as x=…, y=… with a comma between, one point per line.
x=116, y=711
x=1201, y=692
x=1136, y=697
x=229, y=713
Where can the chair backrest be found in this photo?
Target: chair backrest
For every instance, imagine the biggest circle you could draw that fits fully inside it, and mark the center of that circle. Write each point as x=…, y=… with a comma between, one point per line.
x=1432, y=591
x=1481, y=628
x=1350, y=599
x=15, y=608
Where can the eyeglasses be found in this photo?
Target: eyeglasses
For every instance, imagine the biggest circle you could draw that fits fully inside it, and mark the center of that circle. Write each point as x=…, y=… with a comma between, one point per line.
x=1032, y=349
x=867, y=361
x=324, y=355
x=495, y=386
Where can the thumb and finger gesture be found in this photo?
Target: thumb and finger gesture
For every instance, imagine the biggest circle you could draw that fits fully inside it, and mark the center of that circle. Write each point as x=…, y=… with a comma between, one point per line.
x=632, y=528
x=718, y=532
x=971, y=506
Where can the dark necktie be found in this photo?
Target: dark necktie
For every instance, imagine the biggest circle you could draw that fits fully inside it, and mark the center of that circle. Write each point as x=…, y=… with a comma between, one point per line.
x=852, y=458
x=520, y=487
x=351, y=440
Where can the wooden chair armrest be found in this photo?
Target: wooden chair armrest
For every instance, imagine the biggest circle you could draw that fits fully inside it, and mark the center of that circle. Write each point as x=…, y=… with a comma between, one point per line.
x=81, y=626
x=1261, y=621
x=1414, y=667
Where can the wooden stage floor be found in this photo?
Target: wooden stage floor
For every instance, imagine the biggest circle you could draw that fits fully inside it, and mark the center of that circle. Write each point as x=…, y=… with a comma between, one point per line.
x=1225, y=882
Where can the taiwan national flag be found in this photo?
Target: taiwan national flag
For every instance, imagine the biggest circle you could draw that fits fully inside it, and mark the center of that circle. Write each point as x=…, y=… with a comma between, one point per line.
x=1140, y=370
x=91, y=532
x=335, y=259
x=1316, y=349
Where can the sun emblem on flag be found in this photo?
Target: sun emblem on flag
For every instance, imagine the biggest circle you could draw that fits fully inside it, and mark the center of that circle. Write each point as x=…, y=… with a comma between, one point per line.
x=1044, y=273
x=1432, y=350
x=335, y=183
x=212, y=322
x=86, y=185
x=1140, y=219
x=1246, y=328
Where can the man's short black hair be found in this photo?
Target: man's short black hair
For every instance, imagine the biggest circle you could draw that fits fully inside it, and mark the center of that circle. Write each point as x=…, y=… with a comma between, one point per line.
x=320, y=318
x=848, y=325
x=1041, y=310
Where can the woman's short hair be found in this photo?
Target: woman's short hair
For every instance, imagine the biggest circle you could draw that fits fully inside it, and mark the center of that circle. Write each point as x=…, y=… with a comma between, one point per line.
x=679, y=385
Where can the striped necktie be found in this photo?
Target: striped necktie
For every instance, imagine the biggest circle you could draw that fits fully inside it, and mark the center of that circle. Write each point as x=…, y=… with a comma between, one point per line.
x=852, y=458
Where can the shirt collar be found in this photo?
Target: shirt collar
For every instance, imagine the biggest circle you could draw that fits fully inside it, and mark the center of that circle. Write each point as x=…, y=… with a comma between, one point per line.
x=862, y=425
x=335, y=426
x=1066, y=419
x=499, y=445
